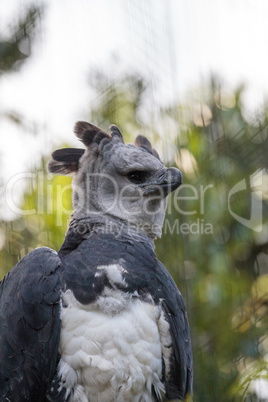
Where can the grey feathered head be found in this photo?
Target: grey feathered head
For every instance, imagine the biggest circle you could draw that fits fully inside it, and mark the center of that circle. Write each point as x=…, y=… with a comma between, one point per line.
x=123, y=181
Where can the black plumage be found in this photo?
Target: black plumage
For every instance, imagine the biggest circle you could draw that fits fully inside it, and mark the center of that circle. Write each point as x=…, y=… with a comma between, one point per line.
x=30, y=327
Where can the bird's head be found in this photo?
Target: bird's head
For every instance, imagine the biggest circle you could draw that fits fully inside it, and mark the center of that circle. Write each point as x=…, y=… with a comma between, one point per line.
x=113, y=179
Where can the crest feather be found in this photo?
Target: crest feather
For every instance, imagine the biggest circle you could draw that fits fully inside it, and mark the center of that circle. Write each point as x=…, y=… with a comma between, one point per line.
x=89, y=133
x=144, y=143
x=116, y=133
x=65, y=161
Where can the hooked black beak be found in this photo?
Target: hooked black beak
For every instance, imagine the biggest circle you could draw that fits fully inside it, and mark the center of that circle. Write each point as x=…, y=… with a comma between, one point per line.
x=164, y=183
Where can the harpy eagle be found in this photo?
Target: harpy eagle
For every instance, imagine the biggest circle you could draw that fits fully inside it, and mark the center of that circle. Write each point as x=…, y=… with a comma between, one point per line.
x=102, y=319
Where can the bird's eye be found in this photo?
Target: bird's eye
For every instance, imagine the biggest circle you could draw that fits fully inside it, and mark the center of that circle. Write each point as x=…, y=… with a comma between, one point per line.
x=137, y=176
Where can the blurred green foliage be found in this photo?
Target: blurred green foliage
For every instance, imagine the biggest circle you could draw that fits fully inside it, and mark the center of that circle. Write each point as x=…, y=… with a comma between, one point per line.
x=16, y=42
x=219, y=262
x=224, y=272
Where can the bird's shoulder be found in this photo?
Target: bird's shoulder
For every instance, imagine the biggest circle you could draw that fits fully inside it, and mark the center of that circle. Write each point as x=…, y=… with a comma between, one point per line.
x=35, y=272
x=30, y=324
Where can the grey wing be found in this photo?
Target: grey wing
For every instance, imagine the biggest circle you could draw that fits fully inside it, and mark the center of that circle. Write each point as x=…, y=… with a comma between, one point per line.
x=178, y=368
x=180, y=374
x=30, y=326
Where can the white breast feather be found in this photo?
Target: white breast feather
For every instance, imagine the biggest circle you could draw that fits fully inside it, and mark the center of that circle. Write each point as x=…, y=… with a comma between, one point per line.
x=111, y=349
